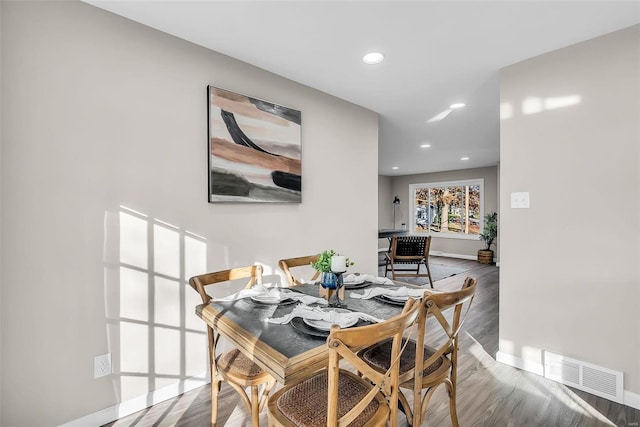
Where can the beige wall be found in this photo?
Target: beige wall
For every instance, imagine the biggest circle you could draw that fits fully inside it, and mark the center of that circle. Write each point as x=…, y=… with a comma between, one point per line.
x=385, y=207
x=101, y=112
x=569, y=276
x=468, y=248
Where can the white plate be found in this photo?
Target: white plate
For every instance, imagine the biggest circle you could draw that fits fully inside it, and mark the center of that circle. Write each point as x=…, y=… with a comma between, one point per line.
x=357, y=281
x=267, y=299
x=323, y=325
x=397, y=298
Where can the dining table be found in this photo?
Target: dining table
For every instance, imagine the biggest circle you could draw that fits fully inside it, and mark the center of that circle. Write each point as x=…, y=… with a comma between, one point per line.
x=293, y=350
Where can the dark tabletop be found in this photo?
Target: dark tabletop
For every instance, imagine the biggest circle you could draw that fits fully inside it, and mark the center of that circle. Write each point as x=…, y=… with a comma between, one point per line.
x=390, y=233
x=286, y=339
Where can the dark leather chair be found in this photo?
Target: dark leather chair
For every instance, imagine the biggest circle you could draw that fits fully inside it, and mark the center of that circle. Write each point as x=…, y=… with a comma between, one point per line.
x=408, y=250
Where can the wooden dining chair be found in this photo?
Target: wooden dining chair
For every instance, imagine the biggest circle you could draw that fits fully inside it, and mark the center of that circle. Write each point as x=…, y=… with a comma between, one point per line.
x=338, y=397
x=426, y=367
x=290, y=263
x=408, y=250
x=233, y=366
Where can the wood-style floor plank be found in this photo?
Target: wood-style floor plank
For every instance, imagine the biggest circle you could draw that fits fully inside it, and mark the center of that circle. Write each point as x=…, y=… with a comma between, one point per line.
x=489, y=393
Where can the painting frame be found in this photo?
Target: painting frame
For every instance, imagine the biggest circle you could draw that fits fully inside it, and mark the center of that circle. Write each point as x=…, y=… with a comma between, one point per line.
x=254, y=149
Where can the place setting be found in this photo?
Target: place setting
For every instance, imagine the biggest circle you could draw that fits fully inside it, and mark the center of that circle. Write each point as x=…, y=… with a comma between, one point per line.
x=391, y=295
x=262, y=294
x=317, y=321
x=359, y=281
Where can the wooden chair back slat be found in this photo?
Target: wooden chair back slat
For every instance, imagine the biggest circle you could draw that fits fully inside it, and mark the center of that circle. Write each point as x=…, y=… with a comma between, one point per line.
x=432, y=307
x=344, y=344
x=288, y=264
x=253, y=273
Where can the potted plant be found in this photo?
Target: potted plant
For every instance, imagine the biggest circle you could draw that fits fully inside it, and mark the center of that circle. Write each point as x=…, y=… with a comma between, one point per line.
x=323, y=265
x=488, y=235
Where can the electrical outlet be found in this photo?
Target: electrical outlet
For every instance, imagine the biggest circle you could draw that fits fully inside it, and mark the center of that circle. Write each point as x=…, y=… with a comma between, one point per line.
x=102, y=365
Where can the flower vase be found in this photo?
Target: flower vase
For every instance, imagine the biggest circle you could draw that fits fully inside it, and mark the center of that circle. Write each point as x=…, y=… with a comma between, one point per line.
x=328, y=284
x=329, y=280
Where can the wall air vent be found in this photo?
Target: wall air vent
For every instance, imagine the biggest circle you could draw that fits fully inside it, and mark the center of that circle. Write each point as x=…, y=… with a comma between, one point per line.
x=584, y=376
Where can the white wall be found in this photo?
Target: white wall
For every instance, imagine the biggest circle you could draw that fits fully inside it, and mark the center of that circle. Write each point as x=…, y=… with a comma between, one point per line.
x=101, y=112
x=468, y=248
x=569, y=276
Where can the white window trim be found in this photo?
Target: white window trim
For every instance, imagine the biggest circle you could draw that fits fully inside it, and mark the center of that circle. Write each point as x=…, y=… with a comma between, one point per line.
x=437, y=234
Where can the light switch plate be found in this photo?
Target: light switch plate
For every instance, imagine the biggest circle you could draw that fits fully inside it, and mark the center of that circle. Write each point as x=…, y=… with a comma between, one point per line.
x=520, y=200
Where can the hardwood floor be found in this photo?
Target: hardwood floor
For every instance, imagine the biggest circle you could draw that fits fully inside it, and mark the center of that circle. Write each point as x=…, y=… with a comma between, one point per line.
x=489, y=393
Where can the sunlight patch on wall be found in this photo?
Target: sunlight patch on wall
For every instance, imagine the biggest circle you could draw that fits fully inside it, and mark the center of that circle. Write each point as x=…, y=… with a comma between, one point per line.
x=133, y=240
x=167, y=357
x=158, y=339
x=166, y=250
x=195, y=255
x=506, y=110
x=193, y=343
x=534, y=105
x=167, y=293
x=134, y=294
x=506, y=346
x=134, y=358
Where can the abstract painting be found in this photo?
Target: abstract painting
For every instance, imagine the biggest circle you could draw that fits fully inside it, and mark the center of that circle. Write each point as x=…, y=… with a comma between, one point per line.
x=254, y=150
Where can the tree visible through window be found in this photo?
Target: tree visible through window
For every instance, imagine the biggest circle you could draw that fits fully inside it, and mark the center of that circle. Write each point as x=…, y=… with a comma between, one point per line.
x=448, y=208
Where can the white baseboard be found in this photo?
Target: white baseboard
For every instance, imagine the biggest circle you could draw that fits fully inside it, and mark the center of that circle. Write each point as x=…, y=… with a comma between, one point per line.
x=517, y=362
x=139, y=403
x=630, y=399
x=459, y=256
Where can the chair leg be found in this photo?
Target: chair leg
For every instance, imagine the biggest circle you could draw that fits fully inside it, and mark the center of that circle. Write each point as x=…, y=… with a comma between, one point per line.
x=265, y=393
x=429, y=274
x=255, y=406
x=405, y=407
x=452, y=403
x=215, y=389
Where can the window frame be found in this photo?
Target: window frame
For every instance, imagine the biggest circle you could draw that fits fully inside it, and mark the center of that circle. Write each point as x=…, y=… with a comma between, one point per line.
x=463, y=182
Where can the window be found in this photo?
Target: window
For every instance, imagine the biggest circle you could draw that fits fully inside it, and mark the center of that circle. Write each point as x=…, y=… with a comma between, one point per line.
x=448, y=209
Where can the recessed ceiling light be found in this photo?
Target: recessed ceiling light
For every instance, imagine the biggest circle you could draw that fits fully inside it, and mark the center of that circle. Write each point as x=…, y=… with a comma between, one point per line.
x=425, y=146
x=372, y=58
x=395, y=167
x=464, y=158
x=456, y=106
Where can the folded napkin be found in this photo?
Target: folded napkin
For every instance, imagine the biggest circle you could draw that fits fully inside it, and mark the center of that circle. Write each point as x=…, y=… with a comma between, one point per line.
x=303, y=298
x=256, y=290
x=390, y=292
x=264, y=291
x=317, y=313
x=367, y=278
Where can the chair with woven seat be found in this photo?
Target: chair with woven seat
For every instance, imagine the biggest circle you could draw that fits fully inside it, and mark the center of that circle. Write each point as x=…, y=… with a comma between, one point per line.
x=433, y=366
x=290, y=263
x=408, y=250
x=337, y=397
x=233, y=366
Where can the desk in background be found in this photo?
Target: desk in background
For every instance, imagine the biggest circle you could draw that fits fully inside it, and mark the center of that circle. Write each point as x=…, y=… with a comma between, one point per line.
x=388, y=234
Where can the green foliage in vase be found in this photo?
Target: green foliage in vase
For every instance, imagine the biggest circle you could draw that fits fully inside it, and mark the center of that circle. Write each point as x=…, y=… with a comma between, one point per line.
x=323, y=264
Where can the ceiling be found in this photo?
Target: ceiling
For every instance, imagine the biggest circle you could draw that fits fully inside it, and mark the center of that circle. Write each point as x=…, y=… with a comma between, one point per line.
x=436, y=53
